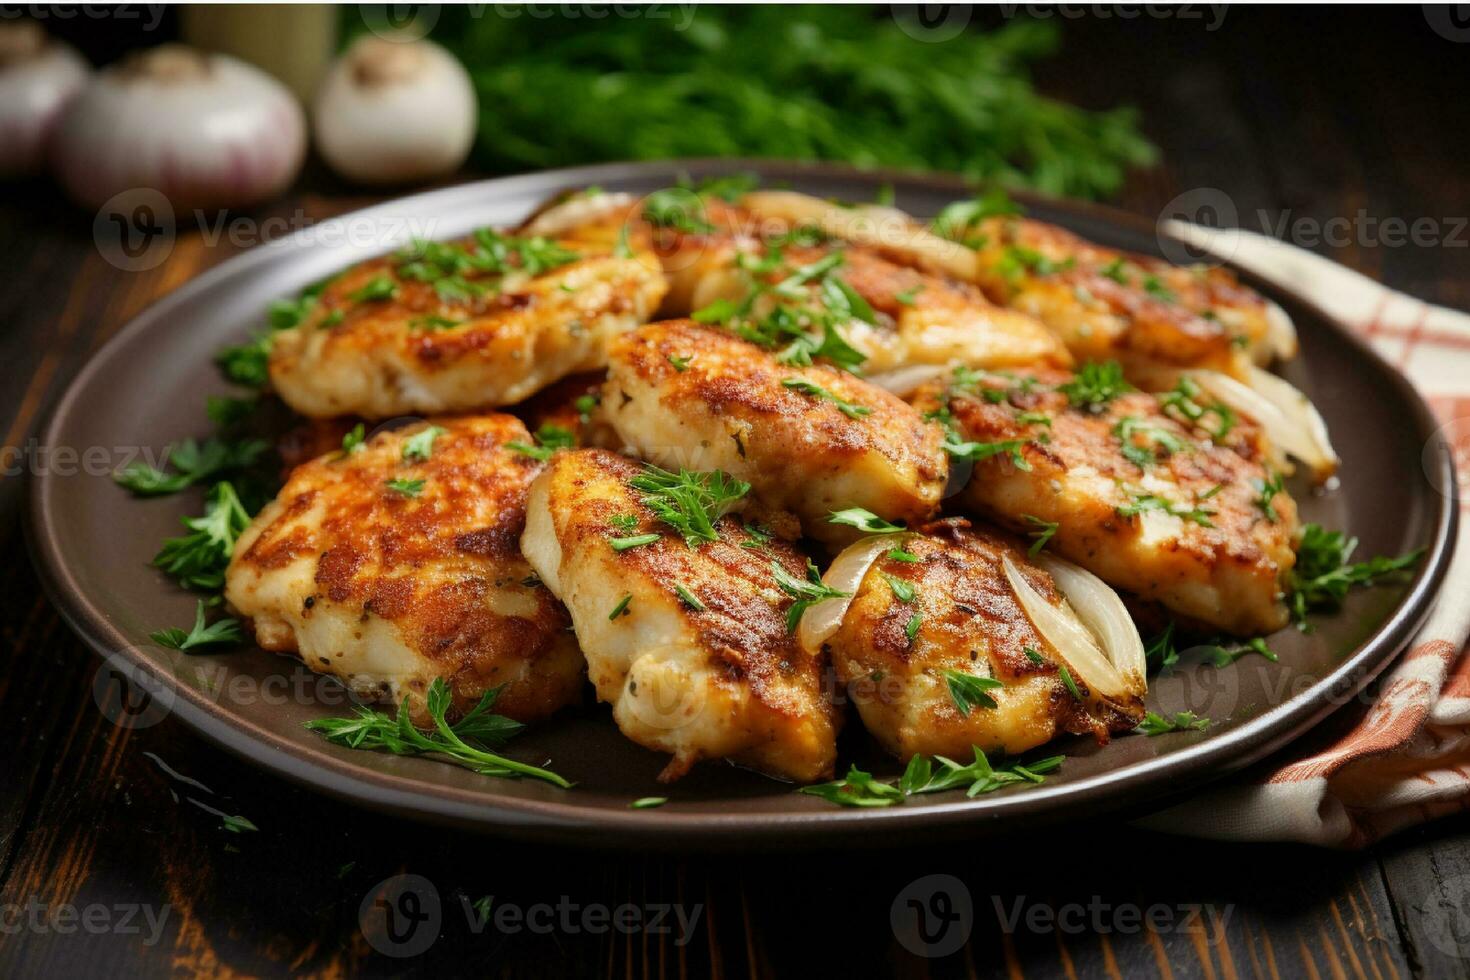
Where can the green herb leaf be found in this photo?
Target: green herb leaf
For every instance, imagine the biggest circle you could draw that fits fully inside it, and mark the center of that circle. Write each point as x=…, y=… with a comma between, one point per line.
x=806, y=593
x=464, y=743
x=1323, y=574
x=1095, y=384
x=851, y=409
x=1180, y=721
x=635, y=541
x=863, y=520
x=375, y=290
x=221, y=631
x=621, y=608
x=857, y=788
x=648, y=803
x=409, y=488
x=690, y=502
x=1044, y=532
x=689, y=598
x=420, y=446
x=902, y=591
x=968, y=691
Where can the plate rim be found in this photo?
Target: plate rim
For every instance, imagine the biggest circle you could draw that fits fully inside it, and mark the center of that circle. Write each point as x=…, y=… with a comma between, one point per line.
x=556, y=820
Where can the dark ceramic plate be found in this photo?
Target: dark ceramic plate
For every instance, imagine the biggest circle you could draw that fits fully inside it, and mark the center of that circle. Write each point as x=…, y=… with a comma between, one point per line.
x=93, y=542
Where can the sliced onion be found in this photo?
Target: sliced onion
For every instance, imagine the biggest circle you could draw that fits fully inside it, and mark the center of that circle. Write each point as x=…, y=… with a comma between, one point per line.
x=1072, y=640
x=1291, y=421
x=867, y=224
x=1103, y=612
x=845, y=574
x=580, y=209
x=1280, y=332
x=905, y=381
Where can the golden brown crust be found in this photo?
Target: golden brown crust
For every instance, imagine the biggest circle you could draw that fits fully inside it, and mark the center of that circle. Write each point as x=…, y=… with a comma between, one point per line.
x=1185, y=529
x=422, y=348
x=970, y=622
x=711, y=615
x=687, y=395
x=441, y=569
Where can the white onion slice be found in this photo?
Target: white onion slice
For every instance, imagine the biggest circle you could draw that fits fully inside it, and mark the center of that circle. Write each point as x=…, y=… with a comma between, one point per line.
x=845, y=574
x=905, y=381
x=1103, y=612
x=1072, y=640
x=867, y=224
x=575, y=211
x=1291, y=421
x=1280, y=332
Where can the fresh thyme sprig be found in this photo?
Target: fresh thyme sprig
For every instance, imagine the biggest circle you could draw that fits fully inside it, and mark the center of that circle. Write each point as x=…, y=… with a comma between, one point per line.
x=806, y=593
x=465, y=743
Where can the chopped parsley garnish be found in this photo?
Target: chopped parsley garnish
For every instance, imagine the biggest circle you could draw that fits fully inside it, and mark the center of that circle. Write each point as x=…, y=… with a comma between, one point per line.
x=1266, y=491
x=1018, y=259
x=648, y=803
x=1151, y=501
x=375, y=290
x=977, y=451
x=678, y=208
x=1184, y=402
x=968, y=691
x=1067, y=680
x=420, y=445
x=465, y=743
x=550, y=438
x=923, y=775
x=756, y=536
x=863, y=520
x=621, y=608
x=635, y=541
x=433, y=322
x=1156, y=288
x=690, y=502
x=1142, y=441
x=1095, y=384
x=807, y=310
x=221, y=631
x=681, y=364
x=1033, y=656
x=911, y=628
x=1322, y=574
x=1114, y=271
x=902, y=591
x=1161, y=653
x=957, y=219
x=1225, y=656
x=806, y=593
x=354, y=439
x=1043, y=533
x=586, y=405
x=851, y=409
x=198, y=559
x=192, y=462
x=1180, y=721
x=623, y=522
x=409, y=488
x=908, y=296
x=688, y=598
x=903, y=554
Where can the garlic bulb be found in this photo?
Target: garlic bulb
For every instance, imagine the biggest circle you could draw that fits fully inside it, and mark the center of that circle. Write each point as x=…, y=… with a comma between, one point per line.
x=38, y=76
x=393, y=111
x=205, y=130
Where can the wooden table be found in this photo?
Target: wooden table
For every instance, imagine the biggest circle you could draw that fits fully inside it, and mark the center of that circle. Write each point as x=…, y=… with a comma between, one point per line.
x=1311, y=118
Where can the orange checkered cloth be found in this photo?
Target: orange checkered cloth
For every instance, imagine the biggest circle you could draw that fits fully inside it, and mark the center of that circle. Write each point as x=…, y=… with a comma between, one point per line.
x=1407, y=760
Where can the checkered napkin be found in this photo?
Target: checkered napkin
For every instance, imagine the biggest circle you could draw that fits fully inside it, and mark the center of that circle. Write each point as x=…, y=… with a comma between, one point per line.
x=1408, y=759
